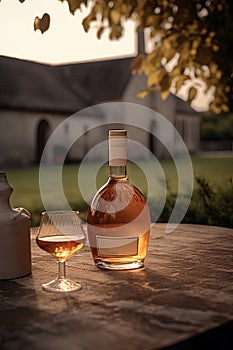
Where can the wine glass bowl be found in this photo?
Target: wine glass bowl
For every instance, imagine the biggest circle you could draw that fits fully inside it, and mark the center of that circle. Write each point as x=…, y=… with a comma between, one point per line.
x=61, y=234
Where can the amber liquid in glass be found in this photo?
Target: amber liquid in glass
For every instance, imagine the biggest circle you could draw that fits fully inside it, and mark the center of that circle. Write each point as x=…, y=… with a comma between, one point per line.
x=59, y=246
x=118, y=224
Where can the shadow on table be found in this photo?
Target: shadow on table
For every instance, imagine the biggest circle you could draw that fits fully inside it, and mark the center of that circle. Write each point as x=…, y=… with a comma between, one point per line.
x=219, y=338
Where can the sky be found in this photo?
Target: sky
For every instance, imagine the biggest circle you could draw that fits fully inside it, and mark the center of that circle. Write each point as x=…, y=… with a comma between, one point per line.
x=65, y=41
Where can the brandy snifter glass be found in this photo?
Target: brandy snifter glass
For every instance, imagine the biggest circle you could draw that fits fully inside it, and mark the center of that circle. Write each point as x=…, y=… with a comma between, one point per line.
x=61, y=234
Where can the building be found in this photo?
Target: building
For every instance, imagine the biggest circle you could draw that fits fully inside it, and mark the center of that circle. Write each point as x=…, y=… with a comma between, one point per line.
x=36, y=98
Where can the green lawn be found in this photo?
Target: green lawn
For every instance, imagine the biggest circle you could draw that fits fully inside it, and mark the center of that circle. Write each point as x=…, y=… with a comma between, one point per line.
x=27, y=194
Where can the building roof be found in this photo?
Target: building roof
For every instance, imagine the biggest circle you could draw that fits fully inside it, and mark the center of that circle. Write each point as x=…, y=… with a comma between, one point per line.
x=61, y=88
x=182, y=107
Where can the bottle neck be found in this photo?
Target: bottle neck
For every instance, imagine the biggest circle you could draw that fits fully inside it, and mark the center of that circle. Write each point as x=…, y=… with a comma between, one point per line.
x=5, y=193
x=118, y=154
x=118, y=172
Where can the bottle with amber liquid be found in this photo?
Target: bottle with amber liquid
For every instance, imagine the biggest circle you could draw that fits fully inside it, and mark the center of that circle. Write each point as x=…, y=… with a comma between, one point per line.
x=118, y=218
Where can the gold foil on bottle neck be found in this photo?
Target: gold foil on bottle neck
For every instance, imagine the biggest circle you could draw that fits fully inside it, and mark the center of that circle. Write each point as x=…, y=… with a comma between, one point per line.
x=117, y=133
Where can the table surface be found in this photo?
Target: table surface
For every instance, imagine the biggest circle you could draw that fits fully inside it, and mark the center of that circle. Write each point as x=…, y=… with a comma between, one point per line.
x=185, y=289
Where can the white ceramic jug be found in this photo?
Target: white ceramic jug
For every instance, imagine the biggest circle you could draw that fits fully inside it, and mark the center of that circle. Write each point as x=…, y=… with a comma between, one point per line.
x=15, y=246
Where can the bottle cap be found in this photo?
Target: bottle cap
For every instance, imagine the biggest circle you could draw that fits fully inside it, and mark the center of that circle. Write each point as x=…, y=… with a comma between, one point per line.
x=117, y=133
x=117, y=147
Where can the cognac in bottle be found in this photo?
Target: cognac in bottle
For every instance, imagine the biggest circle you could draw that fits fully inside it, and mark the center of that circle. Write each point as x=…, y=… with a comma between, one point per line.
x=118, y=218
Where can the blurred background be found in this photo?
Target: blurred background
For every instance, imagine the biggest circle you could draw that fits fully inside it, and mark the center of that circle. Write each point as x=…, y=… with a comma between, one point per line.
x=47, y=76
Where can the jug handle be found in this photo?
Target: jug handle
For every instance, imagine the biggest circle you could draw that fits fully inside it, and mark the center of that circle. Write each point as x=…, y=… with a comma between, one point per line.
x=22, y=210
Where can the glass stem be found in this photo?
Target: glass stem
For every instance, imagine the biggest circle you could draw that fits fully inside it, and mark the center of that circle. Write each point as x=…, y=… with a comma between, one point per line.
x=61, y=270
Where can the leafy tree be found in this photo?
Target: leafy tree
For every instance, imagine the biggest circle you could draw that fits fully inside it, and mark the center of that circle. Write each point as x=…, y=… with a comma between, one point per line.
x=195, y=36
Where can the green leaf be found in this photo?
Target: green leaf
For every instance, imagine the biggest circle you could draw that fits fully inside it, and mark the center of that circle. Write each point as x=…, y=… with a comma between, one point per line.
x=136, y=63
x=100, y=32
x=156, y=77
x=145, y=92
x=165, y=94
x=165, y=82
x=75, y=4
x=115, y=16
x=180, y=81
x=86, y=23
x=42, y=23
x=225, y=107
x=192, y=94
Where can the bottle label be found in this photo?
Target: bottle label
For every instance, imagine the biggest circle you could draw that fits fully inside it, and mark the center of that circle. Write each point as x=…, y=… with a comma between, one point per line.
x=117, y=246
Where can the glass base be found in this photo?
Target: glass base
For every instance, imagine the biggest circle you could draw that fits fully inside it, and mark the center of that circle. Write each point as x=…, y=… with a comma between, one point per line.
x=61, y=285
x=113, y=266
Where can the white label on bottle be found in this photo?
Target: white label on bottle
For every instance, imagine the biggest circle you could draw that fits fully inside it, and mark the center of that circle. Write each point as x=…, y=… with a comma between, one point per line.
x=117, y=246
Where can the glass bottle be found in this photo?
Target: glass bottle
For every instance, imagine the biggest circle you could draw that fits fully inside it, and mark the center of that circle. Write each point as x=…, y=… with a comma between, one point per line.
x=118, y=218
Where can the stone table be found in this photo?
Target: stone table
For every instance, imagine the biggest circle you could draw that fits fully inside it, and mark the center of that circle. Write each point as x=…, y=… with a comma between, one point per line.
x=184, y=290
